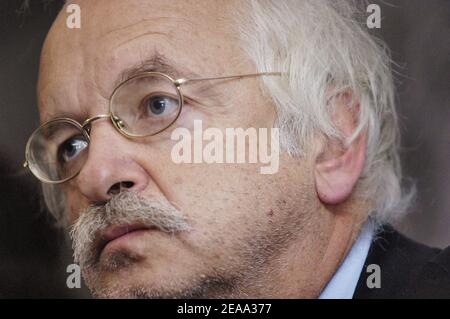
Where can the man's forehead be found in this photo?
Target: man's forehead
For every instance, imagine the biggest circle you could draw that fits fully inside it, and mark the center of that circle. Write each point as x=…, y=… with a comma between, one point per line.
x=117, y=21
x=118, y=36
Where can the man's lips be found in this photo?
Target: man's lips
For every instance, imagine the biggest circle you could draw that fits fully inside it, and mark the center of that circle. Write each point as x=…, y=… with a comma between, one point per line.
x=113, y=233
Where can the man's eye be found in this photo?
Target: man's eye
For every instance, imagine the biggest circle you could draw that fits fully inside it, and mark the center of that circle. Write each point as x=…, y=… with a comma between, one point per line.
x=160, y=105
x=71, y=148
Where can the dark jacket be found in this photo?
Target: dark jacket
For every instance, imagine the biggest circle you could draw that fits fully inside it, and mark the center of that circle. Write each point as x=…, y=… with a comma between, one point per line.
x=408, y=269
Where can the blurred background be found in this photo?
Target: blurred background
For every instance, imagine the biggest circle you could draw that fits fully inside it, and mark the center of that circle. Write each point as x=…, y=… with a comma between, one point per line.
x=34, y=255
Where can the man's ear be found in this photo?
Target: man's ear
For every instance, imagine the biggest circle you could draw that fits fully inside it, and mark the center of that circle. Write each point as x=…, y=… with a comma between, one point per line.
x=338, y=164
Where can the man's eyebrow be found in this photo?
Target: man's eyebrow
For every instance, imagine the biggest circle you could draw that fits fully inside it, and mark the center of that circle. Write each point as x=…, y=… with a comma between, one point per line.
x=80, y=118
x=155, y=63
x=159, y=63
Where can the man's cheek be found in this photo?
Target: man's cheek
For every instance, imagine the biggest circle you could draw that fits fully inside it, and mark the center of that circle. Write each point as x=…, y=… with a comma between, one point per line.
x=74, y=203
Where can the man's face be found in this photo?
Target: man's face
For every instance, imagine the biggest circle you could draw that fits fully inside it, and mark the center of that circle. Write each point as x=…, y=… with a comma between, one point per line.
x=243, y=225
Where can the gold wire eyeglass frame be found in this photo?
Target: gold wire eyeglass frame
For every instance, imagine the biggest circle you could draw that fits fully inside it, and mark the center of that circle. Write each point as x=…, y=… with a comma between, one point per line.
x=117, y=122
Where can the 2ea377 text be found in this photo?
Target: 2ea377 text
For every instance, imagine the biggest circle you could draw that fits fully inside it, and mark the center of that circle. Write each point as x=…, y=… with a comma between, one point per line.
x=225, y=308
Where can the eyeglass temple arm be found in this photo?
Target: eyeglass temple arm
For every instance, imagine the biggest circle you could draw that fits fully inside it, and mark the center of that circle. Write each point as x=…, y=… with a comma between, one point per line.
x=184, y=81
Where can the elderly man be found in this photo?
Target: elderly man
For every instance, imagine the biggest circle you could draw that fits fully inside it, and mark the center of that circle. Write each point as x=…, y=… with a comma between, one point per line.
x=120, y=93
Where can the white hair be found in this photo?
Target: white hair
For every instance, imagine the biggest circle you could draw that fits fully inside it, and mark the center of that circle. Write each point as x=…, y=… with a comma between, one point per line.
x=323, y=46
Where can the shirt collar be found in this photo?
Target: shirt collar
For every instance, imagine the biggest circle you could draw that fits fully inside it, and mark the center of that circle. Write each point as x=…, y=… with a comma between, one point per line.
x=344, y=281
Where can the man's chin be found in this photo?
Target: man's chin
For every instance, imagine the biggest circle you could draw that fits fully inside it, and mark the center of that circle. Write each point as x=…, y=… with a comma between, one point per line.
x=132, y=282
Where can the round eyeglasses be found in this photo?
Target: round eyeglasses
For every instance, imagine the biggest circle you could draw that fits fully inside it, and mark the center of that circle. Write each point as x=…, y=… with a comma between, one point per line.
x=142, y=106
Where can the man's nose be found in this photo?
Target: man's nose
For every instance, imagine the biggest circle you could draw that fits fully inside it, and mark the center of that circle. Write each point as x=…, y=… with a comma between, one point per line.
x=111, y=166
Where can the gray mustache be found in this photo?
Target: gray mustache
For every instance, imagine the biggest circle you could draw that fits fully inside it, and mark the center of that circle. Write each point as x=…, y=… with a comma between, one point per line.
x=122, y=209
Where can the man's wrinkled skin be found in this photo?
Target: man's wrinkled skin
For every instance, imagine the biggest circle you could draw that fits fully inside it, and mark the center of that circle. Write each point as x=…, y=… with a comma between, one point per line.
x=251, y=235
